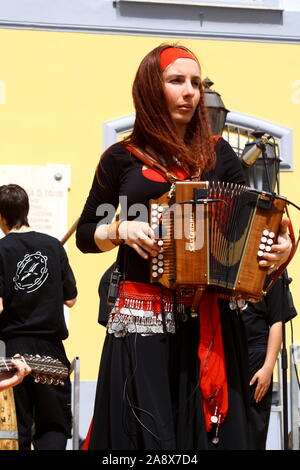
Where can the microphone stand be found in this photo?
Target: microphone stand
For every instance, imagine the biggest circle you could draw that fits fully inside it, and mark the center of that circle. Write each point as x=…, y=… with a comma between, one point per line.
x=284, y=356
x=284, y=369
x=249, y=159
x=286, y=296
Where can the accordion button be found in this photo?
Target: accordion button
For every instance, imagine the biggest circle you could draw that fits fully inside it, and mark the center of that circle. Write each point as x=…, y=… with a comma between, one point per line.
x=270, y=241
x=154, y=220
x=154, y=212
x=260, y=253
x=154, y=267
x=262, y=246
x=266, y=233
x=154, y=274
x=268, y=248
x=154, y=206
x=272, y=235
x=161, y=256
x=154, y=226
x=160, y=263
x=154, y=260
x=160, y=209
x=160, y=242
x=263, y=239
x=160, y=271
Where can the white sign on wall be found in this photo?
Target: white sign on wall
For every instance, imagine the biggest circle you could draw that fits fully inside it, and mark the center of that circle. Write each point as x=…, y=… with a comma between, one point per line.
x=47, y=187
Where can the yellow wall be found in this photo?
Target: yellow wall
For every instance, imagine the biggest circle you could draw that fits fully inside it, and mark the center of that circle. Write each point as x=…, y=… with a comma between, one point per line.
x=61, y=87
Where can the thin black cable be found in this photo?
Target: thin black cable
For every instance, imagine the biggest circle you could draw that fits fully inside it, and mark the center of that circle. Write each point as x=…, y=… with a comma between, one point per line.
x=277, y=196
x=163, y=312
x=130, y=377
x=132, y=374
x=277, y=161
x=265, y=159
x=135, y=408
x=127, y=398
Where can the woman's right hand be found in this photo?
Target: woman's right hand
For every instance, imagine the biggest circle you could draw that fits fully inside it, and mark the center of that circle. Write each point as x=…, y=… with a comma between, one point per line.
x=139, y=236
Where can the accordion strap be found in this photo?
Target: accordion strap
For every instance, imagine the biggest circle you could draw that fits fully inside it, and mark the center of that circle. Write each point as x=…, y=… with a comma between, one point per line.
x=281, y=268
x=154, y=164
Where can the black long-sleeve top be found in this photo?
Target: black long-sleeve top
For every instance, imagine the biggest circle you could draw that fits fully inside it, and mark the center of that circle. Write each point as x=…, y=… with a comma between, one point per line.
x=123, y=178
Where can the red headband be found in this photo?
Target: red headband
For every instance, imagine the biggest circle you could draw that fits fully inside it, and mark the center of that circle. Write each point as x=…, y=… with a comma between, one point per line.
x=170, y=54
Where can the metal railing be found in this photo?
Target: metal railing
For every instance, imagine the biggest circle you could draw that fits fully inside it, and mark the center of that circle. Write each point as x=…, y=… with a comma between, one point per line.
x=294, y=395
x=75, y=370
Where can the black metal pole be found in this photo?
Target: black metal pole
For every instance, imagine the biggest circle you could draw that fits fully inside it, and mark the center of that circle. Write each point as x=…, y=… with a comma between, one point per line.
x=284, y=356
x=288, y=312
x=284, y=367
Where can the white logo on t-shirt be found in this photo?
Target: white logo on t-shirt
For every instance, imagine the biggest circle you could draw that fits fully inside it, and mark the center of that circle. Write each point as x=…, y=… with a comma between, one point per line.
x=31, y=272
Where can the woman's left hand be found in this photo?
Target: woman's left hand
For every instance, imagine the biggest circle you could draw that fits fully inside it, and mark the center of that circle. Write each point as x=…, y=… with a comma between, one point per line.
x=263, y=379
x=280, y=251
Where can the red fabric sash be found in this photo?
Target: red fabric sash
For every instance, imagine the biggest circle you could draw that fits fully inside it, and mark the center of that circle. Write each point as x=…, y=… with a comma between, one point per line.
x=213, y=378
x=86, y=443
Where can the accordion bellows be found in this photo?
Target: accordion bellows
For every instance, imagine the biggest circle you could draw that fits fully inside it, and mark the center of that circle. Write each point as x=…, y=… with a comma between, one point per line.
x=212, y=234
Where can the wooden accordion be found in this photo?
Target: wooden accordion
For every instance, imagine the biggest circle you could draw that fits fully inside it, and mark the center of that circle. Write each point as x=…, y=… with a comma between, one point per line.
x=211, y=235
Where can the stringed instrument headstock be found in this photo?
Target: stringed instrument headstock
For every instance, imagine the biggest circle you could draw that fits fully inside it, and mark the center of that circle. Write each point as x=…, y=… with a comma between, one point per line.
x=44, y=369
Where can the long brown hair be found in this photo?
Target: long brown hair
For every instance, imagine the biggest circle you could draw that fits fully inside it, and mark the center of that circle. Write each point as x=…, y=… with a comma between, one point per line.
x=153, y=125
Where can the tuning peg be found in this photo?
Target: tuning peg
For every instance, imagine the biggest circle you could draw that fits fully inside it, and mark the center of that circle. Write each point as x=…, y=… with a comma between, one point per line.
x=61, y=382
x=49, y=380
x=37, y=379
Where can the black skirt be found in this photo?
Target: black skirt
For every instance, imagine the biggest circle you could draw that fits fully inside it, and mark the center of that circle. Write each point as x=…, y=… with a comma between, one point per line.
x=148, y=394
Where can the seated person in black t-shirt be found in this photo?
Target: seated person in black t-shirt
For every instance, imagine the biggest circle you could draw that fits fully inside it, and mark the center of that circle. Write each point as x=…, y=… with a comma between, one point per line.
x=263, y=323
x=35, y=282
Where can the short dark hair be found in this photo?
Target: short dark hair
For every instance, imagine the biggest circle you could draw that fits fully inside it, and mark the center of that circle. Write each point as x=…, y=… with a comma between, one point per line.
x=14, y=205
